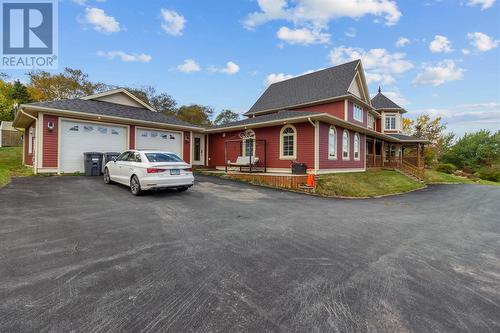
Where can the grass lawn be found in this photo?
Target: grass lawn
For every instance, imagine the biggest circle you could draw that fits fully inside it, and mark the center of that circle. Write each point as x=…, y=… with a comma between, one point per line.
x=365, y=184
x=436, y=177
x=11, y=164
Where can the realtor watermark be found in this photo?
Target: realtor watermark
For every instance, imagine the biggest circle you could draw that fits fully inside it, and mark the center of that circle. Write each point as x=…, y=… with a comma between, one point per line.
x=29, y=34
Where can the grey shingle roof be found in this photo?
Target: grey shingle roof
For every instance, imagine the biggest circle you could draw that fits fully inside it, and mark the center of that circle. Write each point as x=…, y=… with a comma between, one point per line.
x=324, y=84
x=405, y=137
x=111, y=109
x=269, y=117
x=380, y=101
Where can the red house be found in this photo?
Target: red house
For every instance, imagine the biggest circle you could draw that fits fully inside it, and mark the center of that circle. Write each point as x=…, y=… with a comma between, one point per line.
x=325, y=120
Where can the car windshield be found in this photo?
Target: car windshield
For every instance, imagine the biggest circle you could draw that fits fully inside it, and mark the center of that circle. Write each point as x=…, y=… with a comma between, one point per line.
x=163, y=157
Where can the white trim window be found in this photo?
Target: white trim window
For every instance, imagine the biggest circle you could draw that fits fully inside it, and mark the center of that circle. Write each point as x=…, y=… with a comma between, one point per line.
x=357, y=112
x=345, y=145
x=390, y=122
x=356, y=146
x=332, y=143
x=371, y=121
x=288, y=143
x=249, y=144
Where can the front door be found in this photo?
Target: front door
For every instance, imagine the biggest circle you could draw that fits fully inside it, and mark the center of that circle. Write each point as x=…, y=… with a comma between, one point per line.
x=198, y=149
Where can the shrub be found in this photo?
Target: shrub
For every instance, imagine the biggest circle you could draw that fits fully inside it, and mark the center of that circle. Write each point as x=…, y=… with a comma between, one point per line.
x=492, y=174
x=446, y=168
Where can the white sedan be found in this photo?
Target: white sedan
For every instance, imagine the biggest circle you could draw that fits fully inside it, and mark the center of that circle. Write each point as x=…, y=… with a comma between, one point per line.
x=147, y=169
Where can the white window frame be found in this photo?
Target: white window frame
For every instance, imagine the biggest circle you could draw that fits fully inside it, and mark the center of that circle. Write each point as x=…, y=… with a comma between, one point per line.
x=245, y=142
x=334, y=155
x=344, y=144
x=31, y=133
x=283, y=129
x=371, y=121
x=388, y=117
x=357, y=146
x=358, y=108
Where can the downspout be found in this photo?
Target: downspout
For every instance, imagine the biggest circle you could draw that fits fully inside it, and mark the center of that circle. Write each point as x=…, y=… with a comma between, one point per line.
x=35, y=150
x=316, y=145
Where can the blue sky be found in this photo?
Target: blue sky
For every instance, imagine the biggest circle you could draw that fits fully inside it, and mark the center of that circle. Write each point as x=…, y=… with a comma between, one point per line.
x=223, y=53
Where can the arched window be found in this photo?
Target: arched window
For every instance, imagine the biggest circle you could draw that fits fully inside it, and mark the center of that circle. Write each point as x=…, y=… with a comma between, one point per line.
x=356, y=146
x=288, y=143
x=332, y=143
x=345, y=145
x=248, y=142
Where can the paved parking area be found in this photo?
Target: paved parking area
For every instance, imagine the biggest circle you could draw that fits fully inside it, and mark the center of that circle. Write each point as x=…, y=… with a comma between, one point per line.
x=77, y=255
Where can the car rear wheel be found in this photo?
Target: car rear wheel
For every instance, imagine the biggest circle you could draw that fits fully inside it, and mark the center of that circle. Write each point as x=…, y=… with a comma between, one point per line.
x=107, y=178
x=135, y=186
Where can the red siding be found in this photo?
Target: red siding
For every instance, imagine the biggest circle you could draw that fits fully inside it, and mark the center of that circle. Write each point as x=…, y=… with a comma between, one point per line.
x=335, y=109
x=378, y=125
x=131, y=144
x=305, y=146
x=339, y=163
x=187, y=147
x=50, y=142
x=28, y=158
x=350, y=115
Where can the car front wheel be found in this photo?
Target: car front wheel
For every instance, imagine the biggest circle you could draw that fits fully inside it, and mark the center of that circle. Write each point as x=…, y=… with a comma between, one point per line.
x=107, y=178
x=135, y=186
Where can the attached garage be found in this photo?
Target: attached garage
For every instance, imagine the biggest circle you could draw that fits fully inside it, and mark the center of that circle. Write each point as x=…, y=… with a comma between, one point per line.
x=158, y=139
x=112, y=121
x=79, y=137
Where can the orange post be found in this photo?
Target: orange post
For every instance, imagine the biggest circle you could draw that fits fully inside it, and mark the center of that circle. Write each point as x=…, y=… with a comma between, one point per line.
x=310, y=180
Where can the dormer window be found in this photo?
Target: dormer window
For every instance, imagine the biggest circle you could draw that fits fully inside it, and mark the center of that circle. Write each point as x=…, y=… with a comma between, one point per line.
x=390, y=122
x=357, y=113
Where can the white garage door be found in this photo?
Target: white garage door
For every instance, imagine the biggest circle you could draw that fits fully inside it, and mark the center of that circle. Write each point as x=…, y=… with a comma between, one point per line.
x=160, y=140
x=79, y=137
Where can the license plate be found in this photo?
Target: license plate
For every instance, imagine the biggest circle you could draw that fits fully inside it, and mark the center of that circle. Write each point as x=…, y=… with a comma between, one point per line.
x=175, y=172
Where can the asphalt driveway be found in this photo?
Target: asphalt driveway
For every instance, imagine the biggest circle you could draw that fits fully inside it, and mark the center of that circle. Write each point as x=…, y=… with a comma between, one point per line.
x=78, y=255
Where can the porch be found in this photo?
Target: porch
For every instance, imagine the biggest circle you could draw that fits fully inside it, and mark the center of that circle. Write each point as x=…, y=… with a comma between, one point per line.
x=407, y=157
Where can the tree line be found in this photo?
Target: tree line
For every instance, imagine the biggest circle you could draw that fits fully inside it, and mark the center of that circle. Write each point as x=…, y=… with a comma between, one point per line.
x=474, y=154
x=74, y=83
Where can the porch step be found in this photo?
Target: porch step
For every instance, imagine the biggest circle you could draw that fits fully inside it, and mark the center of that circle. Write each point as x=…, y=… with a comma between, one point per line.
x=409, y=175
x=306, y=188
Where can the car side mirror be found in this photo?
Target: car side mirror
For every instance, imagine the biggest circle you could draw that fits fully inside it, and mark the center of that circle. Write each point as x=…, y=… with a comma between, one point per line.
x=113, y=159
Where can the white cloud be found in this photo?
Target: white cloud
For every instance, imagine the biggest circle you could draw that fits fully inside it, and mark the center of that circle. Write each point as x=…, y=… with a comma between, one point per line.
x=230, y=69
x=440, y=44
x=319, y=12
x=173, y=23
x=101, y=21
x=302, y=36
x=436, y=75
x=277, y=77
x=351, y=32
x=402, y=41
x=380, y=64
x=273, y=78
x=189, y=66
x=485, y=4
x=126, y=57
x=80, y=2
x=465, y=51
x=482, y=42
x=394, y=96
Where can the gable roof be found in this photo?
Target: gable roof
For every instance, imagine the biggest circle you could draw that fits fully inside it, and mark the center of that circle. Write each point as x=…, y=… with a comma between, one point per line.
x=119, y=91
x=109, y=109
x=382, y=102
x=308, y=88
